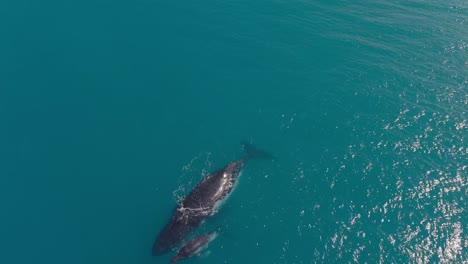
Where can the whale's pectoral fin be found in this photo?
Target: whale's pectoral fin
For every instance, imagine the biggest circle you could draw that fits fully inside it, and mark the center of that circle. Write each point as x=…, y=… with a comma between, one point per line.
x=255, y=153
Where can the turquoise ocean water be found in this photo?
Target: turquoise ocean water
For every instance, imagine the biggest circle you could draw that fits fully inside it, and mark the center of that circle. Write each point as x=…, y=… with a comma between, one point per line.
x=110, y=111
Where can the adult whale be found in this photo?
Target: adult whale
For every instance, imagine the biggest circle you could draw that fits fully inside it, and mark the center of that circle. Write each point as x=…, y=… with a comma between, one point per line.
x=203, y=201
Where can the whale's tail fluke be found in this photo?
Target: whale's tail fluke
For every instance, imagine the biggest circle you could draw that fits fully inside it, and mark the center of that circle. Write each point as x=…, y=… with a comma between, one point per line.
x=254, y=153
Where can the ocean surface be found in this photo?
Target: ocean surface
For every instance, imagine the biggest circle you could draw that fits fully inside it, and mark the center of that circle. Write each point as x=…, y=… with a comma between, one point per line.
x=111, y=111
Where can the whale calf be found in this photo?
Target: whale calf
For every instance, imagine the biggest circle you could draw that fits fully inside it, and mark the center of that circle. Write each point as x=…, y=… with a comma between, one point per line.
x=193, y=247
x=203, y=201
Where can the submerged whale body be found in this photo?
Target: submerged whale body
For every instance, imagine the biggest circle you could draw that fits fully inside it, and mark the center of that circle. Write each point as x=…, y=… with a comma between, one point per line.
x=197, y=206
x=193, y=247
x=203, y=201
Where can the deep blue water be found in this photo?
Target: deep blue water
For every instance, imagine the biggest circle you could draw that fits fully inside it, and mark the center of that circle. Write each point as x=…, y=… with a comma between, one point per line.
x=110, y=111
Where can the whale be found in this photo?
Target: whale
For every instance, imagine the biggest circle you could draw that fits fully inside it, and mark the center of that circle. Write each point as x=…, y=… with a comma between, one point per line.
x=193, y=247
x=204, y=201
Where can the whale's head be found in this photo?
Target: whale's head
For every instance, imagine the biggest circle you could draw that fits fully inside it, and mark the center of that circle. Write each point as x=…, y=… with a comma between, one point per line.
x=161, y=247
x=171, y=235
